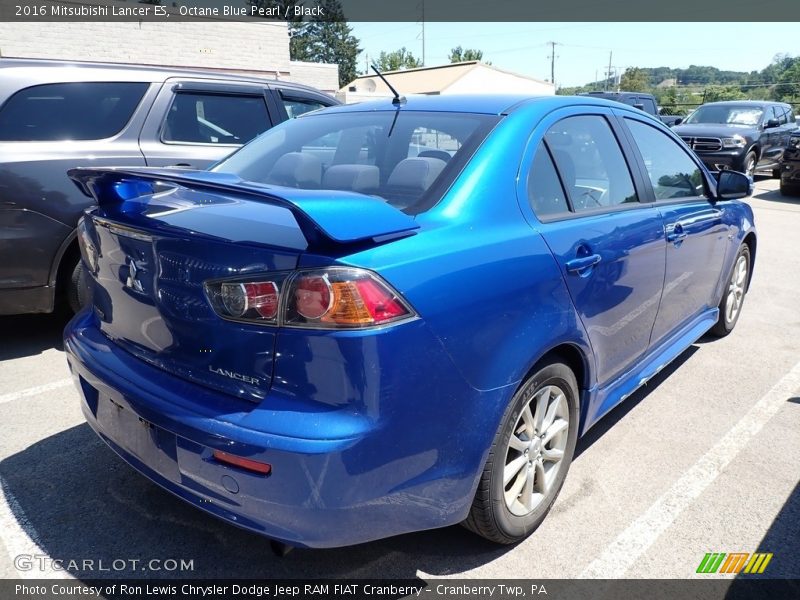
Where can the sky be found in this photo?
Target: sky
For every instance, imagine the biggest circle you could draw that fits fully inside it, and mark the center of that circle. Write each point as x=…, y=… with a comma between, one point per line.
x=582, y=53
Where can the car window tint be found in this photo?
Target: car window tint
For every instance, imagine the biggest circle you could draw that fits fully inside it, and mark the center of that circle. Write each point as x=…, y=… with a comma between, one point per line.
x=671, y=171
x=69, y=111
x=215, y=119
x=649, y=106
x=545, y=193
x=590, y=162
x=298, y=106
x=363, y=152
x=429, y=141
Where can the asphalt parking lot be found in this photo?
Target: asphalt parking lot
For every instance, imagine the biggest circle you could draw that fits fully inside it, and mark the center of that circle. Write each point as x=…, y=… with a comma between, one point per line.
x=705, y=458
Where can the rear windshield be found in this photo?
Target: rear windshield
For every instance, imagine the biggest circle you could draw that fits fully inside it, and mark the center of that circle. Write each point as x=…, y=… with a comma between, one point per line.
x=407, y=158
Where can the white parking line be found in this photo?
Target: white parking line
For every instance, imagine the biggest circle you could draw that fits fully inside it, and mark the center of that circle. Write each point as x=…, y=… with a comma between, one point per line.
x=634, y=541
x=35, y=391
x=21, y=540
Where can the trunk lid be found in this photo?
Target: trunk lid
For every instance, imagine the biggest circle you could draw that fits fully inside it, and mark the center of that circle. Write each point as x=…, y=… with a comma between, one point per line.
x=157, y=240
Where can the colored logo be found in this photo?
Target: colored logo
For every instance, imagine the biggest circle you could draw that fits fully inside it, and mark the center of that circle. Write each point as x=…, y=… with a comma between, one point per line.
x=736, y=562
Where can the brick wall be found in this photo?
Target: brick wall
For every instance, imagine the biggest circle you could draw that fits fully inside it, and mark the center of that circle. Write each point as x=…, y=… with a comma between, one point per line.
x=226, y=44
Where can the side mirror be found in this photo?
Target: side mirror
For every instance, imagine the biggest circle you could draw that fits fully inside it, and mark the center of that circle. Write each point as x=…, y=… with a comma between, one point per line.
x=773, y=123
x=678, y=121
x=732, y=185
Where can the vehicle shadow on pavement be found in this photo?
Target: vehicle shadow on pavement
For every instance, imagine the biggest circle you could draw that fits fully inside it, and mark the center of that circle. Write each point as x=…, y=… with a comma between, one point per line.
x=79, y=501
x=776, y=196
x=783, y=540
x=28, y=335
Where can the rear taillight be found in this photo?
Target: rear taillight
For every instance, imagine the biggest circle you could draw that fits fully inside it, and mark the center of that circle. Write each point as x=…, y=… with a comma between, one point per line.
x=333, y=298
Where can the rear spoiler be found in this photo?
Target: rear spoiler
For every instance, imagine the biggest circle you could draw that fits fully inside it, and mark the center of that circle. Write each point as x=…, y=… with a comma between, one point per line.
x=335, y=216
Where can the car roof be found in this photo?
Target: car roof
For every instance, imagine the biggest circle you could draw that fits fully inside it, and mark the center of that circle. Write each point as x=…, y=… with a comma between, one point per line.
x=50, y=70
x=756, y=103
x=489, y=104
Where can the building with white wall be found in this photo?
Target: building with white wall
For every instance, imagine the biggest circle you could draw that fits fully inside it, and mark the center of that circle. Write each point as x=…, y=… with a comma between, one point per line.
x=471, y=77
x=222, y=44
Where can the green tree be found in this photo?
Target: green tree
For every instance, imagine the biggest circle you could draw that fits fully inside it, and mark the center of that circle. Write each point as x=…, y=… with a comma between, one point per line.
x=716, y=93
x=788, y=86
x=324, y=39
x=459, y=54
x=635, y=79
x=397, y=60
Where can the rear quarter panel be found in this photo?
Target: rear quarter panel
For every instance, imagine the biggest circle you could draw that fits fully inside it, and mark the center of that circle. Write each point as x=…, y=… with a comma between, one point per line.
x=478, y=275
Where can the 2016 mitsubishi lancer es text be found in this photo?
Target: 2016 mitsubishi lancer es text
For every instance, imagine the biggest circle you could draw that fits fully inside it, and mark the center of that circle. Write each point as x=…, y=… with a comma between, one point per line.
x=400, y=315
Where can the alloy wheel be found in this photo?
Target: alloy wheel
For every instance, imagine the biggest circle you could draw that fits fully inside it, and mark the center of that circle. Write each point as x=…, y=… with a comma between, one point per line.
x=535, y=450
x=736, y=289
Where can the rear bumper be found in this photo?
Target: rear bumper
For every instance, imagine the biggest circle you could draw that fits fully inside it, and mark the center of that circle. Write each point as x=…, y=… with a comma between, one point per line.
x=28, y=300
x=339, y=476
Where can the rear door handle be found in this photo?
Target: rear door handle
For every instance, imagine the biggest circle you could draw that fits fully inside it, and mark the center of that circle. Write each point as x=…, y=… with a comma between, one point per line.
x=576, y=265
x=676, y=233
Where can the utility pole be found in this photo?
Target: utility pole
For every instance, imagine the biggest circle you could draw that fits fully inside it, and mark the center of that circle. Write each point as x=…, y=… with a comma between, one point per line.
x=553, y=62
x=608, y=73
x=422, y=5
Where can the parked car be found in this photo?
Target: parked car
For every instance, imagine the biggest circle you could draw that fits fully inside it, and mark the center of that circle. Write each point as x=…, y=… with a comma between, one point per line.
x=56, y=115
x=640, y=100
x=329, y=348
x=790, y=167
x=741, y=135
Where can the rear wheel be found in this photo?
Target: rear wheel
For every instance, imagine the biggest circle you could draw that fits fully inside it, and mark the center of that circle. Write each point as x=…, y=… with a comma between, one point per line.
x=730, y=307
x=529, y=458
x=789, y=190
x=78, y=288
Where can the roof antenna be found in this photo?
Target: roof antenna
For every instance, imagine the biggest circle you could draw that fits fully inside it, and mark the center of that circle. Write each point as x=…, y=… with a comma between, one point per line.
x=398, y=99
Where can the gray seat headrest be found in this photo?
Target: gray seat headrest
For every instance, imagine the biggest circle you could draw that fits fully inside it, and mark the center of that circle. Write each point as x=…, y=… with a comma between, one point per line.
x=356, y=178
x=415, y=174
x=296, y=169
x=445, y=156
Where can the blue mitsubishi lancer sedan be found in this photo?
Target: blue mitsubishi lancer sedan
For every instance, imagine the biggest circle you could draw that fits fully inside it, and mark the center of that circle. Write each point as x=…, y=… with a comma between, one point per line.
x=399, y=315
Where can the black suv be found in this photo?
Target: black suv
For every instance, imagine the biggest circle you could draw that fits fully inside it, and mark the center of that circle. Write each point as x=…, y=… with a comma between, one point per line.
x=742, y=135
x=640, y=100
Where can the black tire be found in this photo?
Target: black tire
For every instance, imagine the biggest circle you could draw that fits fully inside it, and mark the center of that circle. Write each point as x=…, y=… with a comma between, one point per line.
x=789, y=190
x=776, y=173
x=78, y=288
x=490, y=517
x=749, y=164
x=725, y=323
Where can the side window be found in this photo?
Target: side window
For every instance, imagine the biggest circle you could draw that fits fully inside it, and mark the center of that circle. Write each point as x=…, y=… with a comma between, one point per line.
x=590, y=163
x=671, y=171
x=69, y=111
x=649, y=106
x=296, y=106
x=203, y=118
x=545, y=193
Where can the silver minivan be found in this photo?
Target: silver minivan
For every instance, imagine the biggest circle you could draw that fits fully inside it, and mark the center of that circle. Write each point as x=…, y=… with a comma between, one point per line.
x=56, y=115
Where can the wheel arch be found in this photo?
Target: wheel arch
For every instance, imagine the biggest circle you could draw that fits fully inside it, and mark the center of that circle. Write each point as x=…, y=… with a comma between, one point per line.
x=752, y=243
x=571, y=355
x=67, y=254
